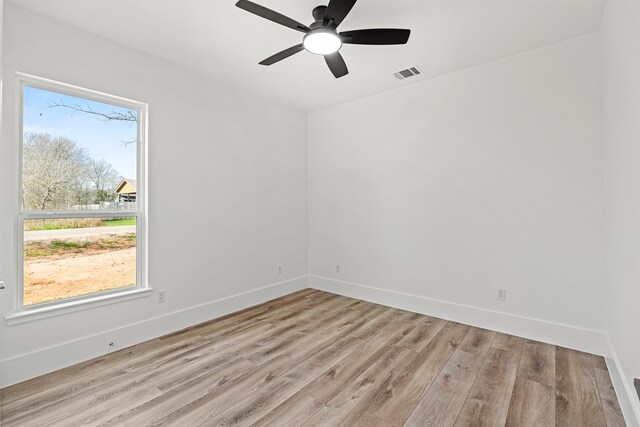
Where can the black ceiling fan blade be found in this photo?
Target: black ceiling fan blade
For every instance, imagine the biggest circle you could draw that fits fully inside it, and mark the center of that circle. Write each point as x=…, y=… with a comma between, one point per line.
x=337, y=10
x=376, y=36
x=283, y=55
x=271, y=15
x=336, y=64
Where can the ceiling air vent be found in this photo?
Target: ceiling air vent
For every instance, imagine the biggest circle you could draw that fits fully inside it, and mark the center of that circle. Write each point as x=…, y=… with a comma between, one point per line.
x=409, y=72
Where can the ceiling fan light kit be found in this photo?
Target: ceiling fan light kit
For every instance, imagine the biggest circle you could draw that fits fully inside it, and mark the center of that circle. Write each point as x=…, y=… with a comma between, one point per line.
x=322, y=37
x=322, y=41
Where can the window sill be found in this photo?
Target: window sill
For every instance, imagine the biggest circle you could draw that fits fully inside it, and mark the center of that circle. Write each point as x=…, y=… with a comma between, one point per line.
x=32, y=314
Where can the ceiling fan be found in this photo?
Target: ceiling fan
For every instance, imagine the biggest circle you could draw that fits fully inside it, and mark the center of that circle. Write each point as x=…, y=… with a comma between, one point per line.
x=322, y=37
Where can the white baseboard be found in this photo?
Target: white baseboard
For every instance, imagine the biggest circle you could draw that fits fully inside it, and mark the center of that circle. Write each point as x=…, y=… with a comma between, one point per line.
x=577, y=338
x=625, y=391
x=42, y=361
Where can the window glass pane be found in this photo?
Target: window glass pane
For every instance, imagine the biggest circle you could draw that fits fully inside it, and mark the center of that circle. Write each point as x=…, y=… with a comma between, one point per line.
x=78, y=154
x=66, y=258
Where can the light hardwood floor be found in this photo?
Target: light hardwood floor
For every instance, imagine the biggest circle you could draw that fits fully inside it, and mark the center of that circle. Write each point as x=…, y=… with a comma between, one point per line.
x=318, y=359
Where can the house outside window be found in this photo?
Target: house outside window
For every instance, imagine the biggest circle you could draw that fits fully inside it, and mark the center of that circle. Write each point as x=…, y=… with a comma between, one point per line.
x=127, y=191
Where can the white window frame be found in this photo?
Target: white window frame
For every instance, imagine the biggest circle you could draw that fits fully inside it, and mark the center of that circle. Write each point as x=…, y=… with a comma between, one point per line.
x=98, y=298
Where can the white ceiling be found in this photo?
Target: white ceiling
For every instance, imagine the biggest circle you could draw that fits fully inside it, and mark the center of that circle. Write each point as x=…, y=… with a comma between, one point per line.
x=215, y=37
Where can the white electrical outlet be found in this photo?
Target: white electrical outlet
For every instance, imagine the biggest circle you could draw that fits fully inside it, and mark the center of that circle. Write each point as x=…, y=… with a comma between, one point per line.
x=279, y=269
x=502, y=294
x=338, y=268
x=162, y=296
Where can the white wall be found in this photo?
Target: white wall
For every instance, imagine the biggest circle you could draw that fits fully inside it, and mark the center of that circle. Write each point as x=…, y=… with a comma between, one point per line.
x=621, y=37
x=238, y=161
x=452, y=187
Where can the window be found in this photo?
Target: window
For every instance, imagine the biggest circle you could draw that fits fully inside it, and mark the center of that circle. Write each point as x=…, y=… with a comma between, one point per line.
x=82, y=194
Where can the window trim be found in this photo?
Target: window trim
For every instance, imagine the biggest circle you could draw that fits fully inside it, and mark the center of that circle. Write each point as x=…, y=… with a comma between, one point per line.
x=66, y=306
x=141, y=287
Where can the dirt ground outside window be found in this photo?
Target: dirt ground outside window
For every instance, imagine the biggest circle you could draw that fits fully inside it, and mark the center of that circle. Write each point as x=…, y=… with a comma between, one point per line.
x=66, y=267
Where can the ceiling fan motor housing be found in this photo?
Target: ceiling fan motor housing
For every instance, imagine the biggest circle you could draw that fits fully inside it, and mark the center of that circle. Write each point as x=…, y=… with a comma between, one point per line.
x=318, y=13
x=316, y=25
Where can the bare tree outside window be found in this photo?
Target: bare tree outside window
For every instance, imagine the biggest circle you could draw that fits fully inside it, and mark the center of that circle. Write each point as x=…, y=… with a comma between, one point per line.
x=104, y=178
x=52, y=171
x=128, y=116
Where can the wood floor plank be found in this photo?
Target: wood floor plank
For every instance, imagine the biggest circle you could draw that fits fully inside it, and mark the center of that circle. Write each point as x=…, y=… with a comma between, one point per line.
x=577, y=399
x=191, y=394
x=426, y=329
x=269, y=348
x=251, y=409
x=533, y=397
x=53, y=413
x=369, y=420
x=599, y=362
x=532, y=404
x=357, y=397
x=610, y=405
x=443, y=401
x=477, y=341
x=292, y=412
x=399, y=398
x=538, y=363
x=332, y=381
x=318, y=358
x=488, y=401
x=103, y=411
x=368, y=319
x=508, y=342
